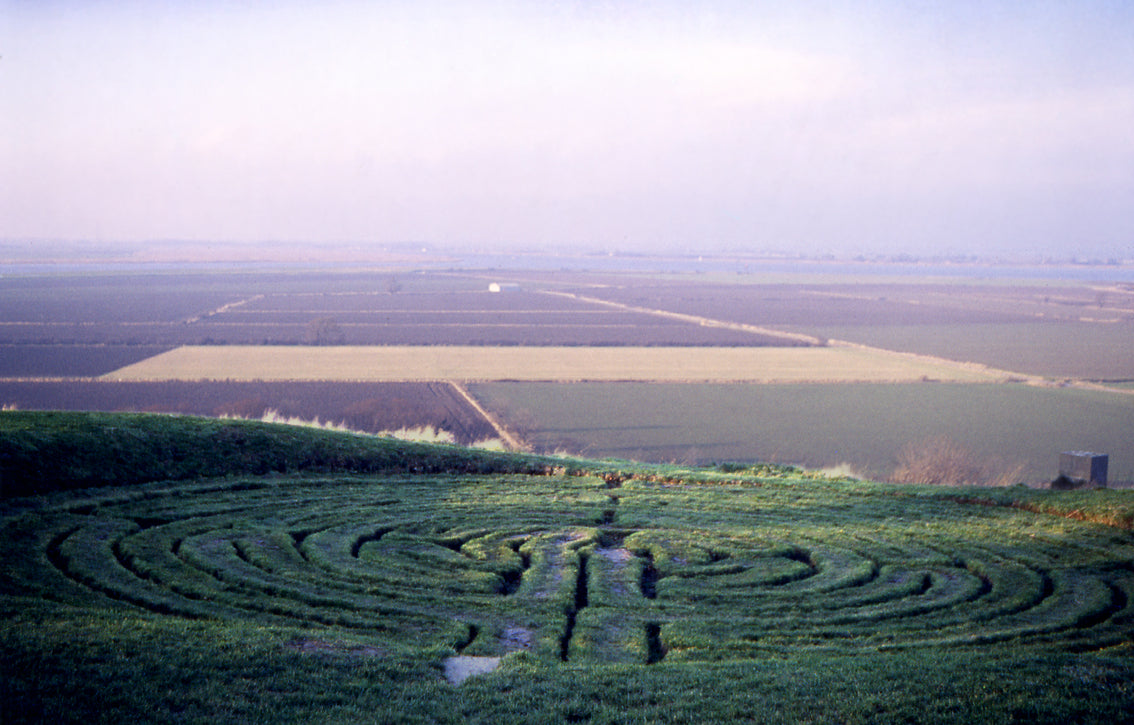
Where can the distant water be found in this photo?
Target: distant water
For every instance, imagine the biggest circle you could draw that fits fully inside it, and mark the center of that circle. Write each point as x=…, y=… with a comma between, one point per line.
x=631, y=263
x=734, y=265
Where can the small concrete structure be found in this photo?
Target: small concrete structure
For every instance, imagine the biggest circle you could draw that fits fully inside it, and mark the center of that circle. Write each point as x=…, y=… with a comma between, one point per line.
x=503, y=287
x=1081, y=468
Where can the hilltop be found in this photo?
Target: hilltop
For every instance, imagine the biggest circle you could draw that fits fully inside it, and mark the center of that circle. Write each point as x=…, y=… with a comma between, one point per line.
x=172, y=568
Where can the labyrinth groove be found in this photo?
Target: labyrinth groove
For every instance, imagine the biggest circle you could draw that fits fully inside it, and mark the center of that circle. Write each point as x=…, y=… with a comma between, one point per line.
x=558, y=566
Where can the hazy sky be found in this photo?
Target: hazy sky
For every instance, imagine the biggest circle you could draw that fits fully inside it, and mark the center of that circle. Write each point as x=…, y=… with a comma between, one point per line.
x=846, y=127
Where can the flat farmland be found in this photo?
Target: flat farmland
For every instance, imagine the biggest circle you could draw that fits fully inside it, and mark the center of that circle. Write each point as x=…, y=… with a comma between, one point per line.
x=792, y=304
x=39, y=360
x=1092, y=351
x=326, y=308
x=1057, y=330
x=70, y=299
x=1074, y=330
x=866, y=303
x=352, y=327
x=364, y=407
x=463, y=317
x=818, y=425
x=464, y=363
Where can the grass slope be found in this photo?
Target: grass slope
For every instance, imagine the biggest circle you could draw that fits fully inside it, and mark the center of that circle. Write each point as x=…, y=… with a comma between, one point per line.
x=48, y=451
x=326, y=577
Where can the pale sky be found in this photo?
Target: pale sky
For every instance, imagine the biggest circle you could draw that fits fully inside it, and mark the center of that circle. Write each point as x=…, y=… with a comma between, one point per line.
x=843, y=127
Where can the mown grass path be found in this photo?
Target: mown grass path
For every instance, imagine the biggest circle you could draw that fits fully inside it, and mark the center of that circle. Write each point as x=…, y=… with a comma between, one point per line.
x=575, y=570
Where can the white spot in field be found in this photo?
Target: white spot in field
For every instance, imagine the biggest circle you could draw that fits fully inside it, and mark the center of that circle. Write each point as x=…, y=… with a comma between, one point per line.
x=460, y=668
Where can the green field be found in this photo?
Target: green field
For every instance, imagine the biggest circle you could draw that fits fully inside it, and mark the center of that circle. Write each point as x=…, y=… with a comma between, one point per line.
x=610, y=592
x=1091, y=351
x=819, y=425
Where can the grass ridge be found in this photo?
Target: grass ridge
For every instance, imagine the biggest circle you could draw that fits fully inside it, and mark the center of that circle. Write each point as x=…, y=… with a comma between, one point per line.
x=43, y=452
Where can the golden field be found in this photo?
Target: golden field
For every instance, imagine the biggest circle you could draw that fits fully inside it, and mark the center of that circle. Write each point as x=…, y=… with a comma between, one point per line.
x=476, y=363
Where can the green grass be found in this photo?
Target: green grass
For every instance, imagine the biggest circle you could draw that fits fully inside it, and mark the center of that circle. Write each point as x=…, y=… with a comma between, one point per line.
x=42, y=452
x=819, y=425
x=615, y=592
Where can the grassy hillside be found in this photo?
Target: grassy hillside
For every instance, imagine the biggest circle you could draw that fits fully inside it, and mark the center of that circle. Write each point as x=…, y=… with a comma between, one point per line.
x=50, y=451
x=186, y=570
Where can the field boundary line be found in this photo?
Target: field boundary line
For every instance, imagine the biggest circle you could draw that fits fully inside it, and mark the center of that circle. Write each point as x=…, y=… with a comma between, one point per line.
x=1038, y=381
x=510, y=440
x=52, y=379
x=812, y=340
x=1101, y=387
x=694, y=319
x=222, y=309
x=1007, y=375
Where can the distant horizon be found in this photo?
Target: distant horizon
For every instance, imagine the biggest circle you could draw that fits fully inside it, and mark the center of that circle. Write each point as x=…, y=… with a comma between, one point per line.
x=189, y=252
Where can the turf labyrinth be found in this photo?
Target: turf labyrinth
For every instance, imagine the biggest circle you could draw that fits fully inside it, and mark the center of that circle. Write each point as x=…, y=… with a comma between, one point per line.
x=578, y=569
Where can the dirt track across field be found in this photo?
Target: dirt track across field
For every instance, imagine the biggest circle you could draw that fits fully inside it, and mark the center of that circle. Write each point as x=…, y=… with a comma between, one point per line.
x=505, y=435
x=791, y=337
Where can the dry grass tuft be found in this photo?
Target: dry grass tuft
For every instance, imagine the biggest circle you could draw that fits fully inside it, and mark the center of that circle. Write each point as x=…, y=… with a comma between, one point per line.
x=942, y=461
